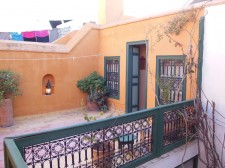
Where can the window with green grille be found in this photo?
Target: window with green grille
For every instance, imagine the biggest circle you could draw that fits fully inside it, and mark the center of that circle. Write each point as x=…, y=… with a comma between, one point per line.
x=170, y=83
x=112, y=71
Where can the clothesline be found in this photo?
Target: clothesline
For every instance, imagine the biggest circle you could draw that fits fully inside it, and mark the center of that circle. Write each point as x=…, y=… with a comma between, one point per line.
x=44, y=59
x=44, y=36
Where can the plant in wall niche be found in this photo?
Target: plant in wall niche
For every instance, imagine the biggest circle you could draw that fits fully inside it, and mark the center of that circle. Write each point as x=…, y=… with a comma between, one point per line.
x=94, y=86
x=9, y=87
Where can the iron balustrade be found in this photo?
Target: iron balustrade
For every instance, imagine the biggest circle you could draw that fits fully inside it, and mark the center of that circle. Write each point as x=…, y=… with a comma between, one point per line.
x=122, y=141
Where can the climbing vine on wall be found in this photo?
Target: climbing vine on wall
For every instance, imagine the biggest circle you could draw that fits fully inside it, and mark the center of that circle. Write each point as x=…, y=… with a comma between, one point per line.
x=188, y=22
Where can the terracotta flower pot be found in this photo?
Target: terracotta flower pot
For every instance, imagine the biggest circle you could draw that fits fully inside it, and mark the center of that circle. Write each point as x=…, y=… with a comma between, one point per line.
x=6, y=113
x=92, y=106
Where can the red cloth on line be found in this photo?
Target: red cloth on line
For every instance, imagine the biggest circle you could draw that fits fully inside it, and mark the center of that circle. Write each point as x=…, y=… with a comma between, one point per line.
x=28, y=34
x=42, y=33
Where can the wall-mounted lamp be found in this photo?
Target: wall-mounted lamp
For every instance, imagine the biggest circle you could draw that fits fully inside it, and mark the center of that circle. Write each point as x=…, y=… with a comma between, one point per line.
x=48, y=88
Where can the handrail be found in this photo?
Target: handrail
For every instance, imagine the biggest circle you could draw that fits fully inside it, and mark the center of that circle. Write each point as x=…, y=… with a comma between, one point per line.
x=12, y=155
x=156, y=127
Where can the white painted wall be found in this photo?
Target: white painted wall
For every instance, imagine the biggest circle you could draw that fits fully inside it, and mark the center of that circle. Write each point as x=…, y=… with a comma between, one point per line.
x=213, y=83
x=174, y=158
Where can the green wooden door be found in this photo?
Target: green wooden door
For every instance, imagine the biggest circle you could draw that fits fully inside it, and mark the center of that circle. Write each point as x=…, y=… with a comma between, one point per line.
x=133, y=104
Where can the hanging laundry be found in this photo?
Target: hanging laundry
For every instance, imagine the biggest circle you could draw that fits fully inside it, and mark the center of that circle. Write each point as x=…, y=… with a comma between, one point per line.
x=29, y=36
x=53, y=35
x=55, y=23
x=63, y=31
x=16, y=36
x=41, y=33
x=30, y=39
x=4, y=36
x=42, y=36
x=43, y=39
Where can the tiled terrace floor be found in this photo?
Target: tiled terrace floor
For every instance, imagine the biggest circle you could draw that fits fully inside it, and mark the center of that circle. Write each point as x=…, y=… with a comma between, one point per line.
x=43, y=122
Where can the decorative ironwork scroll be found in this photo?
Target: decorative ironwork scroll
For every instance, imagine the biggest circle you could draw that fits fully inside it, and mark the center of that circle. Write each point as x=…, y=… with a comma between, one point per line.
x=169, y=80
x=176, y=125
x=109, y=147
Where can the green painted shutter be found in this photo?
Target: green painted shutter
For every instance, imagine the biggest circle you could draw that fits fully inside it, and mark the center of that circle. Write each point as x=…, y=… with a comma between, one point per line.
x=200, y=51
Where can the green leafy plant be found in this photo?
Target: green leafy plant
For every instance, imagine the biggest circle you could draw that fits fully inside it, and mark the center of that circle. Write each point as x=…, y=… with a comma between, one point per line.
x=179, y=23
x=94, y=85
x=165, y=86
x=1, y=97
x=9, y=84
x=88, y=117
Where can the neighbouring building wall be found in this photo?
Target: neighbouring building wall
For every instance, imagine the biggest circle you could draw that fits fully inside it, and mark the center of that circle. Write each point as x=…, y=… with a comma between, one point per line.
x=113, y=41
x=65, y=67
x=111, y=11
x=213, y=78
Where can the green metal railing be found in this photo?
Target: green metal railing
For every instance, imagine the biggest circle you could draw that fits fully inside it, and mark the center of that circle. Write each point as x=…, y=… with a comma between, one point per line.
x=129, y=140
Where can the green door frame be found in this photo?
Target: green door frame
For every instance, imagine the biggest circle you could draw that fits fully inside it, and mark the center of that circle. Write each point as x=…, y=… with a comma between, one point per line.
x=200, y=55
x=128, y=72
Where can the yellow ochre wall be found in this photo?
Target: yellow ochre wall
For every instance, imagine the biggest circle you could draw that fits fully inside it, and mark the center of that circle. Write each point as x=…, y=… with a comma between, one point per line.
x=82, y=54
x=65, y=69
x=113, y=41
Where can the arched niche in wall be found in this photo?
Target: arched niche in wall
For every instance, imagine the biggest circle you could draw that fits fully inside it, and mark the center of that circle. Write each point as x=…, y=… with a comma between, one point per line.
x=48, y=84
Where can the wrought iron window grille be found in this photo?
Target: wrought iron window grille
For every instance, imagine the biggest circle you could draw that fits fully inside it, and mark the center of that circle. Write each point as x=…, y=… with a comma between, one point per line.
x=112, y=76
x=170, y=79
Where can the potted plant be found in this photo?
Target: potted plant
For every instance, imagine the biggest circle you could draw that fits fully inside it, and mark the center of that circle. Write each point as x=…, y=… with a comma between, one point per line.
x=94, y=86
x=9, y=87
